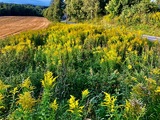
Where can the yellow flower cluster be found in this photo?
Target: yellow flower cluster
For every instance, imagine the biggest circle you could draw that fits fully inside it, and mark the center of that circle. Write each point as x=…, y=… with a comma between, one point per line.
x=74, y=106
x=85, y=94
x=1, y=101
x=3, y=86
x=129, y=67
x=158, y=89
x=155, y=71
x=27, y=84
x=14, y=91
x=54, y=105
x=26, y=101
x=109, y=102
x=154, y=17
x=48, y=81
x=20, y=47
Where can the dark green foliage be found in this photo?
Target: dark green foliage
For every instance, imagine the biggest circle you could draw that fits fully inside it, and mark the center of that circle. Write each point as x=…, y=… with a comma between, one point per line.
x=55, y=11
x=102, y=4
x=17, y=65
x=138, y=13
x=73, y=9
x=79, y=10
x=76, y=10
x=20, y=10
x=48, y=13
x=115, y=7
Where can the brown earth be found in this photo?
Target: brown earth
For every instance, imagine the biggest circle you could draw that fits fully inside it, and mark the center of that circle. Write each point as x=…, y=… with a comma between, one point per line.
x=11, y=25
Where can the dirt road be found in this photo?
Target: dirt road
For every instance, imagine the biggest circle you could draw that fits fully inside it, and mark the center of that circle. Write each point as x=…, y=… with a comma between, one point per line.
x=11, y=25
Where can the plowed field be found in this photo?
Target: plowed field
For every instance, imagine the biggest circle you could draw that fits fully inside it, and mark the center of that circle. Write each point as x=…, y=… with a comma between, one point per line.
x=11, y=25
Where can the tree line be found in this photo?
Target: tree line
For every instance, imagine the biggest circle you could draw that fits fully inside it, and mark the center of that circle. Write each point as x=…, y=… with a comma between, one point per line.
x=88, y=9
x=79, y=10
x=9, y=9
x=75, y=9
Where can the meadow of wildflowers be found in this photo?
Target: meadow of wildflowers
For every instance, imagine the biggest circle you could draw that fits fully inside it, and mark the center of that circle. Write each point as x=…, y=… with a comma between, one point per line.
x=79, y=72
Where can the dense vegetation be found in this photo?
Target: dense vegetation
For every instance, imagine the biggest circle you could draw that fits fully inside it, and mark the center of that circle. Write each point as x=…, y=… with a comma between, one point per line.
x=55, y=11
x=102, y=70
x=7, y=9
x=116, y=71
x=76, y=10
x=81, y=10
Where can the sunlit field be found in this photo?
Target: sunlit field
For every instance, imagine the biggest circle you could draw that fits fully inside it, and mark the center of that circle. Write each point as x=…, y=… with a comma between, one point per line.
x=79, y=72
x=11, y=25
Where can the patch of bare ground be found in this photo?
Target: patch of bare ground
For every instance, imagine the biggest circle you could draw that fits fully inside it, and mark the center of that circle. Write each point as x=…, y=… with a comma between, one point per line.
x=11, y=25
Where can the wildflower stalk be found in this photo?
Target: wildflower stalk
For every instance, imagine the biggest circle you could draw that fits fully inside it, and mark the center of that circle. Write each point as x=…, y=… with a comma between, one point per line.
x=3, y=89
x=112, y=109
x=84, y=101
x=74, y=108
x=13, y=104
x=45, y=108
x=1, y=102
x=54, y=107
x=25, y=109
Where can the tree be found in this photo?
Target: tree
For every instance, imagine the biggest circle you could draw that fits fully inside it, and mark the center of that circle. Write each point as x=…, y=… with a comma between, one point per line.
x=7, y=9
x=83, y=9
x=102, y=4
x=48, y=13
x=74, y=9
x=90, y=8
x=158, y=2
x=55, y=11
x=115, y=7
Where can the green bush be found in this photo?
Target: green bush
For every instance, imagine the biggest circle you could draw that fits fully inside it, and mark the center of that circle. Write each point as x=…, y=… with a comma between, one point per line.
x=138, y=13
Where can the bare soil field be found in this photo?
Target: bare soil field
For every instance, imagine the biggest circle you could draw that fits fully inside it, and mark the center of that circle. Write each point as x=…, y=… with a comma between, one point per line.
x=11, y=25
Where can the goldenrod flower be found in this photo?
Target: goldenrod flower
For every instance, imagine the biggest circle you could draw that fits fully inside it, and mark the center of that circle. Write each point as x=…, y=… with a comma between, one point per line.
x=74, y=106
x=1, y=101
x=109, y=102
x=127, y=106
x=110, y=55
x=134, y=79
x=54, y=105
x=85, y=93
x=156, y=71
x=1, y=97
x=15, y=90
x=48, y=80
x=27, y=84
x=129, y=67
x=130, y=49
x=3, y=86
x=158, y=89
x=26, y=101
